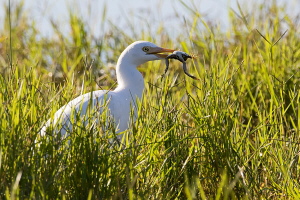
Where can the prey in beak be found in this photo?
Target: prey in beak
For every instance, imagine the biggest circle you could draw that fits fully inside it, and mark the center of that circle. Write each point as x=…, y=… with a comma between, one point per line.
x=179, y=55
x=182, y=57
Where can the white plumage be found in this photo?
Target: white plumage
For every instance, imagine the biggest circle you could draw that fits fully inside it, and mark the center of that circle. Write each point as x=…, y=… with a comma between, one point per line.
x=121, y=100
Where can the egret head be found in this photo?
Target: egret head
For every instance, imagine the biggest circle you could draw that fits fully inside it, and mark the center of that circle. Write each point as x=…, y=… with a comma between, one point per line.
x=141, y=51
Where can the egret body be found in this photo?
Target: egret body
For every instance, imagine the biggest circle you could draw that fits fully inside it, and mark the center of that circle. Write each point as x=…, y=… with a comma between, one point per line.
x=119, y=101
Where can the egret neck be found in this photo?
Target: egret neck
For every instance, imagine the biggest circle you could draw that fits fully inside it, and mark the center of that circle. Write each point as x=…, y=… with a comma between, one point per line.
x=128, y=77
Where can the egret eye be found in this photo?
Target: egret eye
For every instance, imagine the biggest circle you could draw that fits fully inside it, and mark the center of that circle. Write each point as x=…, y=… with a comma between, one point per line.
x=146, y=49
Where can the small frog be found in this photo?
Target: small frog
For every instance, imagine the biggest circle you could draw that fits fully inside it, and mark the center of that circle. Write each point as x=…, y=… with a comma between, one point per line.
x=182, y=57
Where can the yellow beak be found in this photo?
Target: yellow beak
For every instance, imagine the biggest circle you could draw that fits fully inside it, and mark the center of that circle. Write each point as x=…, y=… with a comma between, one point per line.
x=158, y=51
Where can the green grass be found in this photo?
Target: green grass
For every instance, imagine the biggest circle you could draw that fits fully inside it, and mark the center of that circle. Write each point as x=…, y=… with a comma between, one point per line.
x=234, y=134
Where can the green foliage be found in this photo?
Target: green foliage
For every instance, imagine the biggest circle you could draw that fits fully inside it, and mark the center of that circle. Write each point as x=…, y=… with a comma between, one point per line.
x=234, y=134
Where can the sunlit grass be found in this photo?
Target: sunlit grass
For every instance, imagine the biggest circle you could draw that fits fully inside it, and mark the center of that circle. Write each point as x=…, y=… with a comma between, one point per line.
x=234, y=134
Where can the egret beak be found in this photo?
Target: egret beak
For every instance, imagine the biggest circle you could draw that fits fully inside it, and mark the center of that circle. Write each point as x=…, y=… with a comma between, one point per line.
x=158, y=51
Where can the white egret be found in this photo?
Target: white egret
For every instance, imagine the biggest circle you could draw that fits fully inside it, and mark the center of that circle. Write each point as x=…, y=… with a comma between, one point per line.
x=121, y=100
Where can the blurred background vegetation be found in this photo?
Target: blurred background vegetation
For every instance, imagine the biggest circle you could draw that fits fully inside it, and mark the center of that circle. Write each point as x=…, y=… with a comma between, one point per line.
x=232, y=135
